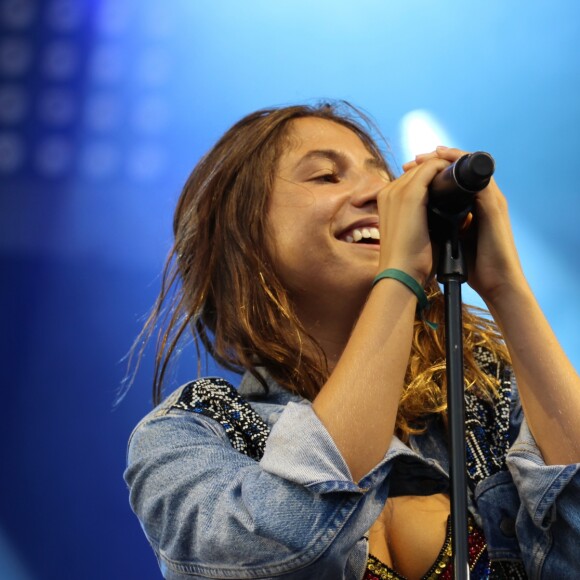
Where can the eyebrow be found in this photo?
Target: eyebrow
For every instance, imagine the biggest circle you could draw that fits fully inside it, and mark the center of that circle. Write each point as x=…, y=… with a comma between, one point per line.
x=336, y=157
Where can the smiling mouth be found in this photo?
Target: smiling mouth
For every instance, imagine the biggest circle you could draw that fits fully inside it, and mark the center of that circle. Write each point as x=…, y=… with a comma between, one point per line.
x=369, y=236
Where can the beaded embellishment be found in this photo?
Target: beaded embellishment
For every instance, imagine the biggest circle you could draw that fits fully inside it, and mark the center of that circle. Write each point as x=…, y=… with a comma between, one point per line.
x=487, y=424
x=487, y=431
x=487, y=444
x=442, y=569
x=219, y=400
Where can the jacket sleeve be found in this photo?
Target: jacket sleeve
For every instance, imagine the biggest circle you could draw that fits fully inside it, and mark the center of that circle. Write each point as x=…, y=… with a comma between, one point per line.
x=210, y=511
x=548, y=524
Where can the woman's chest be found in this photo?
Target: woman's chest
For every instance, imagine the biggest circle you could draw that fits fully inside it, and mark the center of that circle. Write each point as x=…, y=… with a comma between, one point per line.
x=410, y=532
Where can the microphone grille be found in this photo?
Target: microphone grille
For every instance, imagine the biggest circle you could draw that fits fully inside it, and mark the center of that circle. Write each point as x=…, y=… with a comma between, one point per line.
x=481, y=164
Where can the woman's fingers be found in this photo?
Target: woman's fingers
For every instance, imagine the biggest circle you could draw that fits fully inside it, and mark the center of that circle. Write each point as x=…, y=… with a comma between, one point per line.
x=489, y=244
x=405, y=242
x=422, y=172
x=450, y=154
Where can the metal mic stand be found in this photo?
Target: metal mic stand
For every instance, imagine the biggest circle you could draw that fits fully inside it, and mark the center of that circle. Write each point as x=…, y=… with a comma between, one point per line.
x=451, y=199
x=452, y=272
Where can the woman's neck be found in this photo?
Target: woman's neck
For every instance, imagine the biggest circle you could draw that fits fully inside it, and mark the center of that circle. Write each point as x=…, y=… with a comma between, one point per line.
x=330, y=326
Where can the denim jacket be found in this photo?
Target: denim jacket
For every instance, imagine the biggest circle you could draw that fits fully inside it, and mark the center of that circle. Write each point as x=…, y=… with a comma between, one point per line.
x=210, y=511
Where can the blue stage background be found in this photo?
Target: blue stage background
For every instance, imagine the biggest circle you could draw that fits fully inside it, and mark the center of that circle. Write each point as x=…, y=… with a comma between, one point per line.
x=106, y=105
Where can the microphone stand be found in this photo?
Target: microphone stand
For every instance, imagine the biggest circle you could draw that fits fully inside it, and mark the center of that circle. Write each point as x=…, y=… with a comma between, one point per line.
x=452, y=272
x=451, y=198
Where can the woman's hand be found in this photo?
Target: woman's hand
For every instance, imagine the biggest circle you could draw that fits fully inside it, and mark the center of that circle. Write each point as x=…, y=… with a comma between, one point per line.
x=548, y=384
x=492, y=258
x=405, y=242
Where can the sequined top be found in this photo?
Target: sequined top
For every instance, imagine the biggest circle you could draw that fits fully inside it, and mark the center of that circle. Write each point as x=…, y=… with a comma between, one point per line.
x=442, y=568
x=480, y=566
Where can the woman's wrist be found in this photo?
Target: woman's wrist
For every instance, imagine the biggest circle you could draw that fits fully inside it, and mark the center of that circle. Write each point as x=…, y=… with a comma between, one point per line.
x=417, y=274
x=503, y=297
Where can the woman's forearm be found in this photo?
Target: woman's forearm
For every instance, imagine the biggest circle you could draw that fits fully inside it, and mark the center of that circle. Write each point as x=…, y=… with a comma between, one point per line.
x=358, y=404
x=549, y=385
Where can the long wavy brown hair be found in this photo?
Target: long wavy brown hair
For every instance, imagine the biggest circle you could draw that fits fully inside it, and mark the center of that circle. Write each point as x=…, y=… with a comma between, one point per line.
x=220, y=284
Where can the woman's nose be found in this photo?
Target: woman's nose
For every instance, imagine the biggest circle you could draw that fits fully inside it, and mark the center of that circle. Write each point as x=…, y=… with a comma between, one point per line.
x=368, y=190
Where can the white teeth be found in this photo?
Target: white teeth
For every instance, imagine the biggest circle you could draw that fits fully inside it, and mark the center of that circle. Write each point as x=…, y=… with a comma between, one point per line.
x=356, y=235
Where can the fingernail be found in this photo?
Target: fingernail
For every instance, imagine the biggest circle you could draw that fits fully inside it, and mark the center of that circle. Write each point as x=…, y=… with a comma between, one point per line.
x=441, y=148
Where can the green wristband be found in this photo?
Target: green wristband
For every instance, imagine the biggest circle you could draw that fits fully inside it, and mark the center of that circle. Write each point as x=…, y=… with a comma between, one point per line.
x=412, y=284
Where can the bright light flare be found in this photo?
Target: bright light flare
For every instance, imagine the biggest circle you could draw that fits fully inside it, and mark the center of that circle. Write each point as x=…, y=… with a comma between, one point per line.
x=421, y=133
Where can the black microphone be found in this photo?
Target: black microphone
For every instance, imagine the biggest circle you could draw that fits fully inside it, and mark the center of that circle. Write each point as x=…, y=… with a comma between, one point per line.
x=452, y=191
x=453, y=188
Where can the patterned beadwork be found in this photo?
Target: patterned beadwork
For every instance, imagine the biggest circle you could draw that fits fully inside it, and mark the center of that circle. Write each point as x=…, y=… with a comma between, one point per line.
x=487, y=433
x=376, y=570
x=487, y=443
x=442, y=569
x=487, y=424
x=219, y=400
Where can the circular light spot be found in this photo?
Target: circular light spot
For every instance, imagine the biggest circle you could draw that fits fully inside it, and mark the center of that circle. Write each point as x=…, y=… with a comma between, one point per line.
x=54, y=156
x=17, y=14
x=421, y=132
x=12, y=151
x=114, y=17
x=107, y=64
x=103, y=112
x=150, y=115
x=64, y=15
x=15, y=56
x=13, y=104
x=146, y=163
x=57, y=107
x=99, y=160
x=60, y=60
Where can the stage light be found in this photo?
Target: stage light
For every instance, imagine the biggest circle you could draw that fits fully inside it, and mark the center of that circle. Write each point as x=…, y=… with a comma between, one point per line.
x=420, y=133
x=150, y=115
x=57, y=107
x=15, y=56
x=114, y=17
x=64, y=15
x=12, y=152
x=61, y=60
x=54, y=156
x=14, y=104
x=146, y=162
x=17, y=14
x=107, y=64
x=103, y=112
x=99, y=160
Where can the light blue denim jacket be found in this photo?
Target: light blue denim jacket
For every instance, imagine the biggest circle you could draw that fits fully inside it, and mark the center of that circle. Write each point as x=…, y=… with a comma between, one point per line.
x=210, y=511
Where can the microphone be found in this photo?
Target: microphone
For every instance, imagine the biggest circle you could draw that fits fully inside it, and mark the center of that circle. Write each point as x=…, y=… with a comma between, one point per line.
x=452, y=191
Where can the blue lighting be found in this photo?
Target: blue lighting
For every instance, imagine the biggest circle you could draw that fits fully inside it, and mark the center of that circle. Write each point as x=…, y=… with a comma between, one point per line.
x=106, y=105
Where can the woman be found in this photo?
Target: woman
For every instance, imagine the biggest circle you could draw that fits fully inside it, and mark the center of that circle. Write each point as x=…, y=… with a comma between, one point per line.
x=330, y=461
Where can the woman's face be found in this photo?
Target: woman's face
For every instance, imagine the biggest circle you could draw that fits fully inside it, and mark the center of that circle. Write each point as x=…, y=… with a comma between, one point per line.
x=323, y=215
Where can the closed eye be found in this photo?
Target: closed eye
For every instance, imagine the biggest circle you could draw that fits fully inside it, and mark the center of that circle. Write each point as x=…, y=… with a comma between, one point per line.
x=327, y=178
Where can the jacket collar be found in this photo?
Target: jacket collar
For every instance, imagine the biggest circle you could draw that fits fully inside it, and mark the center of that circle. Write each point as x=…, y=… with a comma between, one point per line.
x=253, y=391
